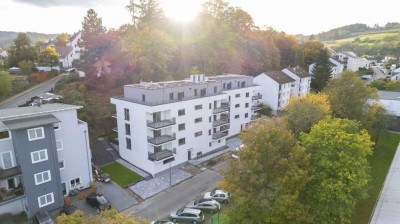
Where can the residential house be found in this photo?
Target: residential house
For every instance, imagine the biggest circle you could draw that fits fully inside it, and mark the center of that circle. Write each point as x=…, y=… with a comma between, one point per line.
x=44, y=153
x=302, y=80
x=66, y=56
x=164, y=124
x=351, y=61
x=391, y=101
x=73, y=42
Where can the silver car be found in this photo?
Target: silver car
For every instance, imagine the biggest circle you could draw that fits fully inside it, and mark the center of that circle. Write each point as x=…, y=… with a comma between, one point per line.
x=187, y=215
x=218, y=195
x=205, y=205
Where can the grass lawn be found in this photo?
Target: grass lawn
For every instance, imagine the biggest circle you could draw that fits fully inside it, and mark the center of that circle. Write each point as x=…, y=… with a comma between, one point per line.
x=120, y=174
x=380, y=163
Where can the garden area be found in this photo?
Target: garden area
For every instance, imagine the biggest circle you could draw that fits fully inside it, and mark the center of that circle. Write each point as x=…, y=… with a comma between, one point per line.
x=120, y=174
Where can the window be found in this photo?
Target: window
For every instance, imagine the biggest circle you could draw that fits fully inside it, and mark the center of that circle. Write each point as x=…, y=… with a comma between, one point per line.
x=61, y=164
x=224, y=86
x=195, y=92
x=198, y=120
x=171, y=96
x=169, y=160
x=246, y=115
x=6, y=159
x=35, y=133
x=209, y=119
x=243, y=84
x=56, y=126
x=127, y=129
x=238, y=84
x=126, y=113
x=198, y=107
x=181, y=112
x=39, y=156
x=181, y=95
x=246, y=105
x=181, y=141
x=75, y=182
x=210, y=106
x=4, y=135
x=209, y=132
x=247, y=94
x=237, y=95
x=229, y=86
x=46, y=199
x=203, y=92
x=197, y=134
x=215, y=89
x=237, y=116
x=143, y=98
x=237, y=105
x=128, y=143
x=210, y=144
x=59, y=145
x=181, y=127
x=42, y=177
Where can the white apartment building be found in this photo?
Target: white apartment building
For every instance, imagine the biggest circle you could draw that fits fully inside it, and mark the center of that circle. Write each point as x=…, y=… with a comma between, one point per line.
x=351, y=61
x=164, y=124
x=337, y=67
x=276, y=89
x=302, y=80
x=44, y=153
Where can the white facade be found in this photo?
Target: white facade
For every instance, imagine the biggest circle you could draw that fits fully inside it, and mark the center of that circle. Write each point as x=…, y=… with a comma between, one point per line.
x=275, y=94
x=351, y=61
x=391, y=102
x=165, y=128
x=336, y=66
x=302, y=80
x=73, y=42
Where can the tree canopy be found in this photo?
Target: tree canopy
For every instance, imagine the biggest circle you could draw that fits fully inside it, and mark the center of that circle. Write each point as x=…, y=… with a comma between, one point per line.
x=62, y=39
x=5, y=84
x=49, y=57
x=322, y=70
x=108, y=216
x=21, y=50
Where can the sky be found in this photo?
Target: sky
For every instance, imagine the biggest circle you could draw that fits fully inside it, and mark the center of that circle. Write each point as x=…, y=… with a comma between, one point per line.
x=290, y=16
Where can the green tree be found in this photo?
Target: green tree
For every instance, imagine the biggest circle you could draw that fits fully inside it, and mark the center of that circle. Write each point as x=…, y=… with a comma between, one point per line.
x=322, y=71
x=108, y=216
x=49, y=57
x=311, y=51
x=21, y=50
x=339, y=168
x=303, y=112
x=62, y=39
x=26, y=67
x=145, y=11
x=5, y=84
x=269, y=176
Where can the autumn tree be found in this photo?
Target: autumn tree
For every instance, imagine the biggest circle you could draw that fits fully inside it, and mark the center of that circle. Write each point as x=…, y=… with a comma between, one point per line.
x=339, y=168
x=49, y=57
x=322, y=70
x=62, y=39
x=145, y=11
x=269, y=176
x=303, y=112
x=21, y=50
x=310, y=51
x=108, y=216
x=5, y=84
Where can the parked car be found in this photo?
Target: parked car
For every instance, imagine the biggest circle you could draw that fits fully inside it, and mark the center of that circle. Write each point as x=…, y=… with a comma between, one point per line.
x=68, y=209
x=163, y=222
x=187, y=215
x=43, y=217
x=209, y=205
x=218, y=195
x=98, y=201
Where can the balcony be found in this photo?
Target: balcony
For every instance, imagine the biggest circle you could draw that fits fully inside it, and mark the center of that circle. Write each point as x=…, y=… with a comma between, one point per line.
x=224, y=108
x=166, y=153
x=256, y=107
x=256, y=97
x=161, y=139
x=220, y=134
x=220, y=122
x=255, y=116
x=161, y=123
x=114, y=115
x=6, y=195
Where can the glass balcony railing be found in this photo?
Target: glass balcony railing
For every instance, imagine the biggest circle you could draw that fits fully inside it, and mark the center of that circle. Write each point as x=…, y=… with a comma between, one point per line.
x=161, y=139
x=161, y=123
x=157, y=156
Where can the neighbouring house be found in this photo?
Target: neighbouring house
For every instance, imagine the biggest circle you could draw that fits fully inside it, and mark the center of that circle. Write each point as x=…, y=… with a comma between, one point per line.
x=44, y=154
x=337, y=67
x=276, y=89
x=66, y=56
x=391, y=101
x=73, y=42
x=302, y=80
x=351, y=61
x=164, y=124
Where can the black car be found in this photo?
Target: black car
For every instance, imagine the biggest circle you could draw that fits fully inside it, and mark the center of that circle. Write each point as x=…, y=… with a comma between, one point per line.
x=98, y=201
x=68, y=209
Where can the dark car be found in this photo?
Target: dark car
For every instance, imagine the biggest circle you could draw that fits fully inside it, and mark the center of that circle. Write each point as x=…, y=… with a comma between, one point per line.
x=43, y=217
x=98, y=201
x=68, y=209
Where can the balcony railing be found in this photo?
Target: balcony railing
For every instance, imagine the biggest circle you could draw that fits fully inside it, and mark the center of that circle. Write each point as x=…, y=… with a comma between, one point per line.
x=256, y=97
x=255, y=116
x=220, y=122
x=18, y=191
x=256, y=107
x=161, y=123
x=161, y=139
x=166, y=153
x=220, y=134
x=11, y=172
x=223, y=108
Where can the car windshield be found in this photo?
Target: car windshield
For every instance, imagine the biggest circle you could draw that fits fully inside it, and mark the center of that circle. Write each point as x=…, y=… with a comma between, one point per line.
x=213, y=192
x=102, y=200
x=179, y=211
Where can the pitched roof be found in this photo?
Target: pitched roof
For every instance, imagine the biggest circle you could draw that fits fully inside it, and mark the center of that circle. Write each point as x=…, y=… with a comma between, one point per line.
x=64, y=50
x=74, y=36
x=279, y=77
x=298, y=71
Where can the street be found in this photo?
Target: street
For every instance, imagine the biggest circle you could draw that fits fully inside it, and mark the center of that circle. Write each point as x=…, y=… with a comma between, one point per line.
x=378, y=74
x=21, y=98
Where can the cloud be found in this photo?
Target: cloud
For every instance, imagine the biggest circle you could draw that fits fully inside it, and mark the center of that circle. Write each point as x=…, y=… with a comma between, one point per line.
x=76, y=3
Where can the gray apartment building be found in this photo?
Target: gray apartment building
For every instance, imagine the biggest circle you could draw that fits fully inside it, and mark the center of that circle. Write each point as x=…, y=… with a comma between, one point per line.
x=44, y=153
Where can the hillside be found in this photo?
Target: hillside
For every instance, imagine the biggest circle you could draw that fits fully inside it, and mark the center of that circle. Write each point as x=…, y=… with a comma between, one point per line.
x=7, y=37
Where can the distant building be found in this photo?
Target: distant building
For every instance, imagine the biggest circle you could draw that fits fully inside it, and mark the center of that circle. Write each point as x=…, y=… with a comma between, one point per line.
x=302, y=80
x=337, y=67
x=351, y=61
x=73, y=42
x=66, y=56
x=391, y=101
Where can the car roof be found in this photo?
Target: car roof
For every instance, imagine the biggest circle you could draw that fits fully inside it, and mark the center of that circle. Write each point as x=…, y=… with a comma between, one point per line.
x=191, y=210
x=219, y=192
x=102, y=199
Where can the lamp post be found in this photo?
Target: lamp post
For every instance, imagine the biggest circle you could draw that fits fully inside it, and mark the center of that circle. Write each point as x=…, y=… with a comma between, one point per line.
x=170, y=174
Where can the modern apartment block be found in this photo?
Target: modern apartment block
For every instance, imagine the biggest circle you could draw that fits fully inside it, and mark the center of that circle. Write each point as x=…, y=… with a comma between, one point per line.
x=44, y=153
x=164, y=124
x=302, y=80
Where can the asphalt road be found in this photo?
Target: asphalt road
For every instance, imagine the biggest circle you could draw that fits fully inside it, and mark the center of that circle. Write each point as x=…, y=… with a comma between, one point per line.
x=378, y=74
x=162, y=204
x=21, y=98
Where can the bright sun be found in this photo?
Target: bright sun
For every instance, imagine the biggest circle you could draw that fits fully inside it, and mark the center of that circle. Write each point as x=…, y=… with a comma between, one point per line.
x=181, y=10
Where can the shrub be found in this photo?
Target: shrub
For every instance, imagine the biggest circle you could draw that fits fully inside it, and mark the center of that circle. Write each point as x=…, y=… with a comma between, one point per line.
x=68, y=201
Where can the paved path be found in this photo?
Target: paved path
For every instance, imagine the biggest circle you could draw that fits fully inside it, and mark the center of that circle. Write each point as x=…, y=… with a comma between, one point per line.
x=387, y=210
x=162, y=204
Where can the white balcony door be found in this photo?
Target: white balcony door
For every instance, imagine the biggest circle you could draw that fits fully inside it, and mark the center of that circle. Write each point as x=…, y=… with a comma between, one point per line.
x=6, y=160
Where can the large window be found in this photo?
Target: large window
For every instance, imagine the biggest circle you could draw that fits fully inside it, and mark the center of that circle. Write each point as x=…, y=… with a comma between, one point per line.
x=181, y=112
x=75, y=182
x=181, y=95
x=198, y=120
x=198, y=107
x=6, y=160
x=46, y=199
x=181, y=141
x=42, y=177
x=128, y=143
x=181, y=127
x=35, y=133
x=39, y=156
x=197, y=134
x=126, y=113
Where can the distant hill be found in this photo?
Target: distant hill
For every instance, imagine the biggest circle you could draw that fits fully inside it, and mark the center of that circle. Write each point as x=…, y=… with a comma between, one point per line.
x=7, y=37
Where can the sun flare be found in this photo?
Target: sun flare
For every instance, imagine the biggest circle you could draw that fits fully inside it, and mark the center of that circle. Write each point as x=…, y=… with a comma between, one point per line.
x=181, y=10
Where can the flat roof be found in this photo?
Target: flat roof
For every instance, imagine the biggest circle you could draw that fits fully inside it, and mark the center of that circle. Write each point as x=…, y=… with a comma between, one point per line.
x=389, y=95
x=19, y=112
x=30, y=122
